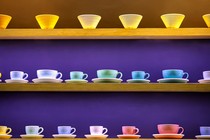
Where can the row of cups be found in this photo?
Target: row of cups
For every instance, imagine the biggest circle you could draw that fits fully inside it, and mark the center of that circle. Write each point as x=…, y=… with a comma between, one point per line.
x=90, y=21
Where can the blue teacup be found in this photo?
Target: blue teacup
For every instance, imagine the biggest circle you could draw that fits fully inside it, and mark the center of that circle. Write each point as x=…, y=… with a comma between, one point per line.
x=74, y=75
x=205, y=130
x=174, y=73
x=48, y=74
x=140, y=75
x=18, y=75
x=66, y=130
x=108, y=73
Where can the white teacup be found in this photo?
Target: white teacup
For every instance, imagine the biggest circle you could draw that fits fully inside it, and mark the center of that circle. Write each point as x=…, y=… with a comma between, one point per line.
x=130, y=21
x=98, y=130
x=89, y=21
x=18, y=75
x=48, y=74
x=206, y=75
x=33, y=130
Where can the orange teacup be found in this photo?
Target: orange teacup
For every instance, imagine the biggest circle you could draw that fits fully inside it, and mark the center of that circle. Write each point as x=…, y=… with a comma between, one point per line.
x=169, y=129
x=129, y=130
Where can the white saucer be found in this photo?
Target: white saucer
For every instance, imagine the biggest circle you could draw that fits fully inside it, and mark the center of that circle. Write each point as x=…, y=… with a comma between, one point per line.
x=138, y=81
x=96, y=136
x=172, y=80
x=123, y=136
x=76, y=81
x=32, y=136
x=168, y=136
x=47, y=80
x=0, y=80
x=64, y=136
x=203, y=136
x=5, y=136
x=16, y=81
x=107, y=80
x=204, y=81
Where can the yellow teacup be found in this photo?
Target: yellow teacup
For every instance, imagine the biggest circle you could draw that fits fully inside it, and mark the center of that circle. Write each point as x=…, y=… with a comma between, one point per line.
x=89, y=21
x=0, y=75
x=47, y=21
x=5, y=130
x=4, y=21
x=172, y=20
x=206, y=18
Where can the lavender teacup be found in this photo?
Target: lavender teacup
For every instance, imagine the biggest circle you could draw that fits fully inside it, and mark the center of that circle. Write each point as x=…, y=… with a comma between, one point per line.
x=66, y=130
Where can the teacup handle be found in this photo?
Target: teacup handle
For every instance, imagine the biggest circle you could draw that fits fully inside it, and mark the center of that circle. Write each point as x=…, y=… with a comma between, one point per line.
x=120, y=73
x=41, y=129
x=25, y=76
x=137, y=131
x=106, y=130
x=182, y=130
x=10, y=130
x=187, y=75
x=59, y=73
x=85, y=76
x=74, y=130
x=147, y=75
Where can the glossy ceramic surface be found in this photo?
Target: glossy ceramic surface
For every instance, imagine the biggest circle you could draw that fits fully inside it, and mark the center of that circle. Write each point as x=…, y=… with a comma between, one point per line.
x=107, y=80
x=138, y=81
x=47, y=80
x=128, y=136
x=76, y=81
x=63, y=136
x=168, y=136
x=96, y=136
x=173, y=80
x=16, y=81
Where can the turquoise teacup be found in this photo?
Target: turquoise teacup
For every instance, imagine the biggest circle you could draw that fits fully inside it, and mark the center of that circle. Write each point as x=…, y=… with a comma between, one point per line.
x=78, y=75
x=140, y=75
x=108, y=73
x=174, y=73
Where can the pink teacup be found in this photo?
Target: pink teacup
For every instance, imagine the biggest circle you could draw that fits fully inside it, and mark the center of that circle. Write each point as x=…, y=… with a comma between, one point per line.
x=169, y=129
x=129, y=130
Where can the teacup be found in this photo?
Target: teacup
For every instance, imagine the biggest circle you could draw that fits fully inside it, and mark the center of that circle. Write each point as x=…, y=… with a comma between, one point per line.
x=205, y=130
x=48, y=74
x=169, y=129
x=78, y=75
x=140, y=75
x=89, y=21
x=0, y=75
x=98, y=130
x=33, y=130
x=174, y=73
x=130, y=21
x=206, y=18
x=66, y=130
x=206, y=75
x=5, y=130
x=47, y=21
x=108, y=73
x=18, y=75
x=129, y=130
x=4, y=21
x=172, y=20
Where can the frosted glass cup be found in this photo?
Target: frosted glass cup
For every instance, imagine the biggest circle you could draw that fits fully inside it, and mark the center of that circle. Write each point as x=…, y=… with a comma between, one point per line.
x=89, y=21
x=206, y=18
x=47, y=21
x=172, y=20
x=4, y=21
x=130, y=21
x=48, y=74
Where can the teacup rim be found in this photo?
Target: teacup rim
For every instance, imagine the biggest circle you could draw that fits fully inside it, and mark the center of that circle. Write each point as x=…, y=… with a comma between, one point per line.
x=207, y=71
x=173, y=69
x=204, y=126
x=106, y=69
x=168, y=14
x=88, y=15
x=64, y=126
x=46, y=69
x=130, y=15
x=169, y=124
x=46, y=14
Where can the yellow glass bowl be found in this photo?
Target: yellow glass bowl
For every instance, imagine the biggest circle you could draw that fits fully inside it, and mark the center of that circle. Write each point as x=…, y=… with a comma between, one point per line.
x=130, y=21
x=4, y=21
x=172, y=20
x=89, y=21
x=206, y=18
x=47, y=21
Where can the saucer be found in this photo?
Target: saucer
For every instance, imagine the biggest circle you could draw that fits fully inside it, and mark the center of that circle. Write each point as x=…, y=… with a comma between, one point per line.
x=107, y=80
x=128, y=136
x=203, y=136
x=0, y=80
x=47, y=80
x=138, y=81
x=5, y=136
x=168, y=136
x=76, y=81
x=64, y=136
x=16, y=81
x=32, y=136
x=96, y=136
x=204, y=81
x=172, y=80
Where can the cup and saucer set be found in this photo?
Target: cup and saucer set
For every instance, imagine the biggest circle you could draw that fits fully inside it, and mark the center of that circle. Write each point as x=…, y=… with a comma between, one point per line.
x=174, y=76
x=129, y=132
x=108, y=76
x=169, y=131
x=204, y=133
x=4, y=132
x=97, y=132
x=206, y=78
x=33, y=132
x=77, y=77
x=17, y=77
x=65, y=132
x=48, y=76
x=139, y=77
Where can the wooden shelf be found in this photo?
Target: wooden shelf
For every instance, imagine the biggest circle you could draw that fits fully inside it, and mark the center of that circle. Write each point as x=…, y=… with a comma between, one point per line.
x=107, y=33
x=95, y=139
x=105, y=87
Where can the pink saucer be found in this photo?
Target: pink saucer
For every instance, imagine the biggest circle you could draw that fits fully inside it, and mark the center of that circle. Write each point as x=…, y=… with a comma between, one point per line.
x=168, y=136
x=128, y=136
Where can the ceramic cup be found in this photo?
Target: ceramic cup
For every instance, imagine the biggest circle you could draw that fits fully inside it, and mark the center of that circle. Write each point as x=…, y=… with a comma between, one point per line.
x=0, y=75
x=129, y=130
x=47, y=21
x=130, y=21
x=89, y=21
x=140, y=75
x=48, y=73
x=66, y=130
x=18, y=75
x=33, y=130
x=169, y=129
x=172, y=20
x=98, y=130
x=206, y=75
x=206, y=18
x=205, y=130
x=5, y=130
x=108, y=73
x=4, y=21
x=174, y=73
x=78, y=75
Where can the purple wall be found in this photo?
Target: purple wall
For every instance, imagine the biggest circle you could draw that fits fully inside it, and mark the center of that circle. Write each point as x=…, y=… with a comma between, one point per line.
x=145, y=110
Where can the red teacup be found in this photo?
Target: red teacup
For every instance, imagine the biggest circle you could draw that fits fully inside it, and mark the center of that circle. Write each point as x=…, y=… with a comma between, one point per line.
x=169, y=129
x=129, y=130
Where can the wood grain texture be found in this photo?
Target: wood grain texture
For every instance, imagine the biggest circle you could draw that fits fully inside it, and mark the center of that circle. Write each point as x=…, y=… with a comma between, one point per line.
x=92, y=139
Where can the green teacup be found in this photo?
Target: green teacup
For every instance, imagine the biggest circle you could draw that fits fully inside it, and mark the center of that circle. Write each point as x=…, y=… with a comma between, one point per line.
x=108, y=73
